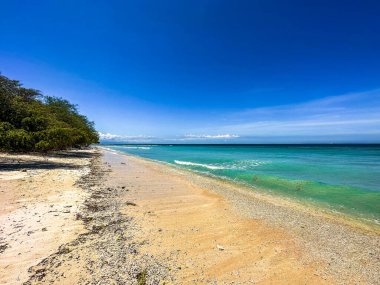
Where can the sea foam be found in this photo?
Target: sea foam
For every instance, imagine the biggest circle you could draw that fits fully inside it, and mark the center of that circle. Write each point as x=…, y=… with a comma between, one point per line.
x=213, y=167
x=239, y=165
x=136, y=147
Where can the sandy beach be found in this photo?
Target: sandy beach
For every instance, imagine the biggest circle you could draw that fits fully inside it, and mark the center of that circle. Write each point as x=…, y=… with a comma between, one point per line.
x=99, y=217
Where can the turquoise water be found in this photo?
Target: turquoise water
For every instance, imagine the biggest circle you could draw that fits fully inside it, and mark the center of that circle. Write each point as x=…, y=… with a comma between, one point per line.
x=341, y=178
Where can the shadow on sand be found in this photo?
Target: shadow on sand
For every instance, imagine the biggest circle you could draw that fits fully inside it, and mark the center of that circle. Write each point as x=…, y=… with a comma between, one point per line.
x=12, y=164
x=71, y=154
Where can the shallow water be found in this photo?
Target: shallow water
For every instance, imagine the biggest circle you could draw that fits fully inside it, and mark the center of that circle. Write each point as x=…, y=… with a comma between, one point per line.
x=342, y=178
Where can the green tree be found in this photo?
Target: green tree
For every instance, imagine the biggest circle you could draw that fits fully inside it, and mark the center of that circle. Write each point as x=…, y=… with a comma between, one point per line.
x=30, y=121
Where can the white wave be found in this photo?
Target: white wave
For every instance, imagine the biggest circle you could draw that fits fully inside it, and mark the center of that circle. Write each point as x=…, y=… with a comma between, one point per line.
x=246, y=164
x=213, y=167
x=238, y=165
x=136, y=147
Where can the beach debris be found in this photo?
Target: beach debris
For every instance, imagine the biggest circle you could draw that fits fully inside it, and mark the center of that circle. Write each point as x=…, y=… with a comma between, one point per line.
x=108, y=249
x=141, y=277
x=3, y=247
x=219, y=247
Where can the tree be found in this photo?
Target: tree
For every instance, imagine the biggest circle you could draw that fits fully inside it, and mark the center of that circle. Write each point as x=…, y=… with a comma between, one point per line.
x=30, y=121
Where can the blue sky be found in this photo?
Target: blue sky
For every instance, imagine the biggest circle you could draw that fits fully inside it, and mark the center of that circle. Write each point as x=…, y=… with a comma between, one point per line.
x=204, y=71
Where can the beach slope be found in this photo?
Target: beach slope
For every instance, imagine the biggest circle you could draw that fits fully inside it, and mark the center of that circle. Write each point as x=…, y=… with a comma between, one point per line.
x=101, y=217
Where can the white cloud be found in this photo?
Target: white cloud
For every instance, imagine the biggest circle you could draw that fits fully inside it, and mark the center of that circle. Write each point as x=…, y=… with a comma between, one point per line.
x=225, y=136
x=144, y=138
x=350, y=114
x=355, y=115
x=113, y=137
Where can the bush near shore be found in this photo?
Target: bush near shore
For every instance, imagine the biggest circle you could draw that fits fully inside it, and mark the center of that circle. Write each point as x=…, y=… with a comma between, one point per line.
x=30, y=121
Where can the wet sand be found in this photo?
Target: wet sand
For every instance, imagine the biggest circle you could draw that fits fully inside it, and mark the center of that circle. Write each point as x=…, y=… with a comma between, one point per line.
x=134, y=221
x=264, y=239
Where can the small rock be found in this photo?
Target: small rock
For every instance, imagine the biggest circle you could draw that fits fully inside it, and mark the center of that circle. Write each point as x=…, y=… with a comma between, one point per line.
x=219, y=247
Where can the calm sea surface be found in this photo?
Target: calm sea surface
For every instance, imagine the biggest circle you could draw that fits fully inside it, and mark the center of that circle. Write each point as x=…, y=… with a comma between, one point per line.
x=341, y=178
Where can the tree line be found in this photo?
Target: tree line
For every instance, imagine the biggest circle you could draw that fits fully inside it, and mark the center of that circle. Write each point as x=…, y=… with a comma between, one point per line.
x=30, y=121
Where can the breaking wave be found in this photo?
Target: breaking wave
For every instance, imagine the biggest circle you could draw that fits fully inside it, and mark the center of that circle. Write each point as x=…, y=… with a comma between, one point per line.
x=209, y=166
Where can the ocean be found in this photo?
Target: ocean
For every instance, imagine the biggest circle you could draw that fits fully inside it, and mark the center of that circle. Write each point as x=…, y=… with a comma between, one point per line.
x=339, y=178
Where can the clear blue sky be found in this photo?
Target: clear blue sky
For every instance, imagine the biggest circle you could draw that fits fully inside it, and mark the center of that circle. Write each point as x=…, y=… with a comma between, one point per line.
x=204, y=71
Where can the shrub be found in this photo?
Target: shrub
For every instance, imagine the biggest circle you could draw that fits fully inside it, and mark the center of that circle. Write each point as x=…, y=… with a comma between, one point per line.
x=18, y=140
x=43, y=146
x=32, y=122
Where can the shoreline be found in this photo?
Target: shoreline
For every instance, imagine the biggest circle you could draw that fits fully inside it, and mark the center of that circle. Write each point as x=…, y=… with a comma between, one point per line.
x=313, y=208
x=142, y=221
x=339, y=243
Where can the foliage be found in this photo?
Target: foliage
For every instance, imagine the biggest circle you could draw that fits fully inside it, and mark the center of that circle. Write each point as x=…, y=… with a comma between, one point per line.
x=30, y=121
x=141, y=277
